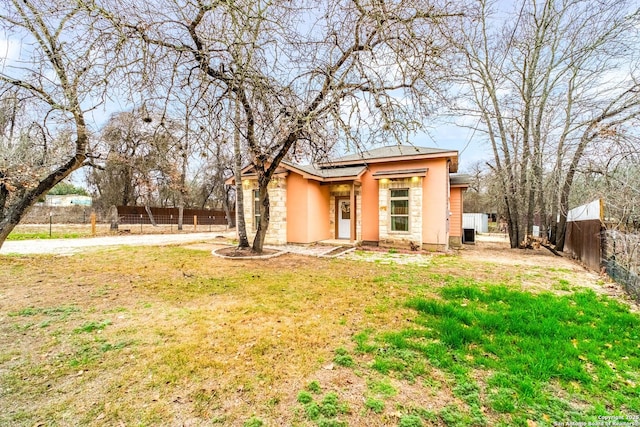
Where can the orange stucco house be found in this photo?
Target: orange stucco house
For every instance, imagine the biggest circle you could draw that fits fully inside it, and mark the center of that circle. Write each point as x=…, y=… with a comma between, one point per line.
x=391, y=196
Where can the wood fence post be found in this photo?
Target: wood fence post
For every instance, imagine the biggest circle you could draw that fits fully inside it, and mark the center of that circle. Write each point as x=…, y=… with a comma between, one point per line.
x=93, y=224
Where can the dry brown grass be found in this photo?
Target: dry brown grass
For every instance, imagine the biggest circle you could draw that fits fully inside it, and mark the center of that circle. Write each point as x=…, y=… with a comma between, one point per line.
x=195, y=338
x=174, y=336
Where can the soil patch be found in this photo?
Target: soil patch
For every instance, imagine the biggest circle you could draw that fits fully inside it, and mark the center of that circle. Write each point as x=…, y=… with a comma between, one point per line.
x=246, y=253
x=337, y=251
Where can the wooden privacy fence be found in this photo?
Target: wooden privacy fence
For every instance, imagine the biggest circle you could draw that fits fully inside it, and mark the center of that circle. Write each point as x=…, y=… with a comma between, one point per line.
x=598, y=248
x=585, y=241
x=138, y=215
x=584, y=235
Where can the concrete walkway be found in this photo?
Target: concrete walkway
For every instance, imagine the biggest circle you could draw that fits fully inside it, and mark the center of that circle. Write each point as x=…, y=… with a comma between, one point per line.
x=70, y=246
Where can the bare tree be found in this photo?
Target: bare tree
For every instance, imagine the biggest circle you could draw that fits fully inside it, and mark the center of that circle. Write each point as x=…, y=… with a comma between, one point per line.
x=613, y=177
x=306, y=73
x=540, y=81
x=60, y=76
x=481, y=196
x=243, y=240
x=123, y=148
x=142, y=161
x=214, y=135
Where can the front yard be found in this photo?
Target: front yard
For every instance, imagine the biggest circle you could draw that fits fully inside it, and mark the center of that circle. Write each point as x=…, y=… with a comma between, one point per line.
x=174, y=336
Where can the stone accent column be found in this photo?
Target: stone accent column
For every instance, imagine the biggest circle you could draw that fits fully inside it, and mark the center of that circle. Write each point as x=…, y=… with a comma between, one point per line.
x=277, y=231
x=247, y=192
x=332, y=214
x=383, y=209
x=401, y=238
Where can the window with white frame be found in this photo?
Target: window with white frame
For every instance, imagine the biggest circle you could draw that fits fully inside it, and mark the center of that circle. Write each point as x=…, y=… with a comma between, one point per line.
x=399, y=212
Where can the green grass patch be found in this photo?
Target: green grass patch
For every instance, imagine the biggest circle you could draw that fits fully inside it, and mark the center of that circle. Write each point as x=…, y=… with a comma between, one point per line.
x=253, y=422
x=89, y=352
x=325, y=412
x=382, y=388
x=305, y=397
x=92, y=327
x=62, y=312
x=45, y=235
x=586, y=344
x=314, y=387
x=343, y=358
x=410, y=421
x=374, y=405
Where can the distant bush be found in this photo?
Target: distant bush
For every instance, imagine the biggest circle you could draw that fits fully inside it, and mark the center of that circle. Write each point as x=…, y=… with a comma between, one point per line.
x=64, y=188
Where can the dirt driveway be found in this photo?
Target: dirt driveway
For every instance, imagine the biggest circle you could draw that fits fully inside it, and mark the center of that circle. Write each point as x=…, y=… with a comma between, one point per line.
x=495, y=249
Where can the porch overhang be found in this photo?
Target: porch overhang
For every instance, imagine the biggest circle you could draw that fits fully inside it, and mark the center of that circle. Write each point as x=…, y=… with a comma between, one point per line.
x=459, y=181
x=400, y=173
x=328, y=175
x=253, y=176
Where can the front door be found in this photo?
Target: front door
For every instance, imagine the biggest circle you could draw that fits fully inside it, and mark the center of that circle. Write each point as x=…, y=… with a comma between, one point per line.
x=344, y=219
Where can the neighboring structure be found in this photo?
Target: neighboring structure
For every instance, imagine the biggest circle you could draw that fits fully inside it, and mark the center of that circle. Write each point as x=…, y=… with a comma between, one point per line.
x=477, y=221
x=390, y=196
x=68, y=200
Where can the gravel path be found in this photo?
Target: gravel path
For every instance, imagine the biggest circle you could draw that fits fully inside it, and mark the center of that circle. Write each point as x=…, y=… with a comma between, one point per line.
x=70, y=246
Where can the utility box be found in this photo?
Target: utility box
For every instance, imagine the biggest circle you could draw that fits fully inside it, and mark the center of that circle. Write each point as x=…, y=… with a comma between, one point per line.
x=469, y=236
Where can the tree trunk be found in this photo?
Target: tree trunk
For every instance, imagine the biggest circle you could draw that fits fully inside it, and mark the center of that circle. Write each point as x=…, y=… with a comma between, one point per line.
x=243, y=241
x=180, y=215
x=538, y=180
x=126, y=191
x=561, y=230
x=227, y=209
x=11, y=215
x=113, y=217
x=180, y=211
x=263, y=224
x=7, y=225
x=513, y=224
x=150, y=214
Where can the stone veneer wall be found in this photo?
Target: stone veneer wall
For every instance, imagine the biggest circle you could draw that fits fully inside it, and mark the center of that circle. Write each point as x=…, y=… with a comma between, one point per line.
x=343, y=190
x=414, y=235
x=277, y=231
x=455, y=242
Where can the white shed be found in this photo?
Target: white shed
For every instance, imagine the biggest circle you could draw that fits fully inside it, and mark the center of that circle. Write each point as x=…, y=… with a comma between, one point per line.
x=478, y=221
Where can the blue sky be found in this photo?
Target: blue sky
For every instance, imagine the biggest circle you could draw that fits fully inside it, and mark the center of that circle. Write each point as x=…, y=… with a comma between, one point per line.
x=470, y=145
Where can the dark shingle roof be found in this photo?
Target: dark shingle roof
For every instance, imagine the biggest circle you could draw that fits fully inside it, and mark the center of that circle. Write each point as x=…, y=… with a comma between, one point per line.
x=459, y=179
x=353, y=165
x=349, y=172
x=390, y=151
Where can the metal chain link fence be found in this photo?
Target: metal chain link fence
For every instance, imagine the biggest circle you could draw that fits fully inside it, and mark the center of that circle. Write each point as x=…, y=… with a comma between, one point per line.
x=621, y=259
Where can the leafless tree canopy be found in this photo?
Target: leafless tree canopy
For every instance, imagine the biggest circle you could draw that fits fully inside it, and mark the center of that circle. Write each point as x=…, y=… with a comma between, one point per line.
x=551, y=84
x=49, y=79
x=548, y=81
x=305, y=74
